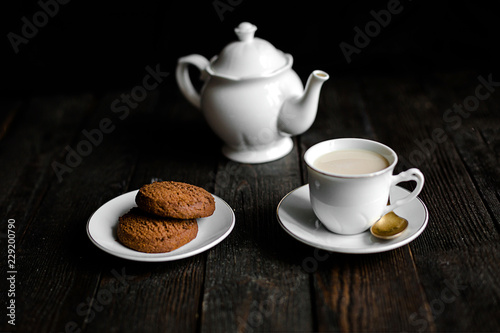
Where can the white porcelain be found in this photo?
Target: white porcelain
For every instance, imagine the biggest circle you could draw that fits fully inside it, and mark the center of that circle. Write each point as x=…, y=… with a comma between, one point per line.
x=251, y=97
x=351, y=204
x=297, y=218
x=101, y=229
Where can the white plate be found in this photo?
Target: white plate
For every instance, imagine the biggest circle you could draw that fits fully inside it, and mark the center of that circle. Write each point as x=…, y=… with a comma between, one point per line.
x=101, y=229
x=296, y=216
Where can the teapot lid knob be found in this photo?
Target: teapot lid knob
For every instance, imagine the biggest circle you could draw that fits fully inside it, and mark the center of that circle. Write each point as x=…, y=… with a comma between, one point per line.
x=245, y=31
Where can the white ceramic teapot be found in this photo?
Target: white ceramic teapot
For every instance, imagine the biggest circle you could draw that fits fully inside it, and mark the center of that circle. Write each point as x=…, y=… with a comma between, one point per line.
x=251, y=98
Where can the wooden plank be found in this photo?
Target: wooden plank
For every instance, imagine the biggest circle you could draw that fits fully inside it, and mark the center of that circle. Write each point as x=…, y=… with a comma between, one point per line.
x=475, y=132
x=475, y=269
x=254, y=281
x=357, y=293
x=38, y=133
x=8, y=111
x=360, y=292
x=341, y=112
x=259, y=278
x=55, y=258
x=449, y=255
x=413, y=140
x=174, y=143
x=42, y=127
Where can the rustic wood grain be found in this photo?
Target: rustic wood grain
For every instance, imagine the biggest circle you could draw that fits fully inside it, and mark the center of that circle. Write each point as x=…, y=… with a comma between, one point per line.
x=449, y=255
x=53, y=262
x=362, y=292
x=259, y=279
x=8, y=110
x=34, y=139
x=169, y=293
x=42, y=127
x=253, y=280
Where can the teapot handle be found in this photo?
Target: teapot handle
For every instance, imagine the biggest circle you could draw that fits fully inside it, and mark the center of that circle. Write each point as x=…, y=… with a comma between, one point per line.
x=183, y=79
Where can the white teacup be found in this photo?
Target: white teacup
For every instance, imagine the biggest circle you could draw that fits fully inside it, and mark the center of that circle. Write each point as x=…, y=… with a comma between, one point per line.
x=350, y=203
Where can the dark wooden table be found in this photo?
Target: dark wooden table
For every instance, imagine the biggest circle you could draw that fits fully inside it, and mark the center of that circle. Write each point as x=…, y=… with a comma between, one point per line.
x=259, y=279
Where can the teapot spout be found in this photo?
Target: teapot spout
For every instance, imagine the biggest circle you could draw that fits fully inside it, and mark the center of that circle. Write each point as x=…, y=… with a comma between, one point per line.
x=297, y=114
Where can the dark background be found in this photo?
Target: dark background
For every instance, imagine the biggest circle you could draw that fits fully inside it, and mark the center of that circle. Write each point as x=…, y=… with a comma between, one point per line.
x=97, y=46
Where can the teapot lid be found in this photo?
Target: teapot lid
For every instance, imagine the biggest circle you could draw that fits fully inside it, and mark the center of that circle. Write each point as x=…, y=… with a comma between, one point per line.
x=250, y=57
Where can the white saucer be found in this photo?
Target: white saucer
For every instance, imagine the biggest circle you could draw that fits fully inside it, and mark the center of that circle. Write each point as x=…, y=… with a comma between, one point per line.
x=296, y=216
x=101, y=229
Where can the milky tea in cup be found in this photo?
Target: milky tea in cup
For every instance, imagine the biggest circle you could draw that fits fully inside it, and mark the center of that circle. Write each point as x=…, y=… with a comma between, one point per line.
x=351, y=162
x=350, y=181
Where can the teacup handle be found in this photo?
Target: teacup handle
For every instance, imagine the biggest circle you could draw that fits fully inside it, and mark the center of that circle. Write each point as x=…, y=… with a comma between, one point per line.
x=405, y=176
x=183, y=79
